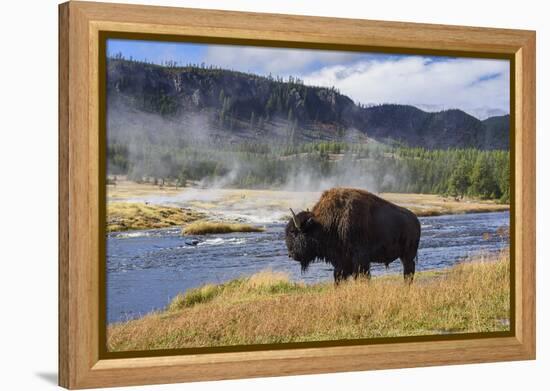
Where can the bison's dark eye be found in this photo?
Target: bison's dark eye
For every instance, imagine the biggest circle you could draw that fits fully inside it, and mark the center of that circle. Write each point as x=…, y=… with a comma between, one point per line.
x=308, y=224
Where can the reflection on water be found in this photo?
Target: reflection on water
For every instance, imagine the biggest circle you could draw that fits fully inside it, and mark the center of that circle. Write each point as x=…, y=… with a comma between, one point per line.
x=146, y=269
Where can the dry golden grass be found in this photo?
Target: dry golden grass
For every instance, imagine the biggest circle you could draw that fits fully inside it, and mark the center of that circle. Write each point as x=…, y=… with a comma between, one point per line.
x=435, y=205
x=268, y=308
x=124, y=190
x=212, y=227
x=124, y=216
x=266, y=279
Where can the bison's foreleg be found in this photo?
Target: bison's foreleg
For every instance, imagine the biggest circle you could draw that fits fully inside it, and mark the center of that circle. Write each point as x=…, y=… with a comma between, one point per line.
x=361, y=264
x=338, y=275
x=341, y=273
x=361, y=270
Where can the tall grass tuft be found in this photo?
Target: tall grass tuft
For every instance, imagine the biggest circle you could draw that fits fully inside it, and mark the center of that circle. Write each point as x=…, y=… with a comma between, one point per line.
x=210, y=227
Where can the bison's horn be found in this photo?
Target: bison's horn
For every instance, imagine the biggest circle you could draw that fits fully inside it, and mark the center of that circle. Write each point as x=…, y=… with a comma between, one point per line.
x=294, y=219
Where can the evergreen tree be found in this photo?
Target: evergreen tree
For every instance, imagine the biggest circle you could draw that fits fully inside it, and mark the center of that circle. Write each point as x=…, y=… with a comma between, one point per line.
x=252, y=119
x=483, y=178
x=459, y=182
x=261, y=124
x=504, y=177
x=270, y=106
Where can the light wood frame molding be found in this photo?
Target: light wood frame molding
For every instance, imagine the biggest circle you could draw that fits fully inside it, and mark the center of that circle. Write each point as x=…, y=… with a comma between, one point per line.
x=80, y=24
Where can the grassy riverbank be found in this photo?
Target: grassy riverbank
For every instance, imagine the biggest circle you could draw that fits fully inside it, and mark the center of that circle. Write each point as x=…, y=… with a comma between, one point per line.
x=268, y=308
x=435, y=205
x=125, y=216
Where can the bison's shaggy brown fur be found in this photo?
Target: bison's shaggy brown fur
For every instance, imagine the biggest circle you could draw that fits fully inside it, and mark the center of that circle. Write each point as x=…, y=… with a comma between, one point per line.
x=355, y=207
x=351, y=228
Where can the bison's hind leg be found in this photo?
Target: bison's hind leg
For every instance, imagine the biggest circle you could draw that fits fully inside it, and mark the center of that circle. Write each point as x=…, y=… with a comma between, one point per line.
x=408, y=268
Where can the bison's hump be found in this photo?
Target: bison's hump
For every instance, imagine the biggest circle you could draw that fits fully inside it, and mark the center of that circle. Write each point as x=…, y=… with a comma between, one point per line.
x=340, y=198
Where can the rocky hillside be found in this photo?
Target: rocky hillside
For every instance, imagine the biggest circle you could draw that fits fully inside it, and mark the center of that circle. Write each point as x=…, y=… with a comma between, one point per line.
x=238, y=106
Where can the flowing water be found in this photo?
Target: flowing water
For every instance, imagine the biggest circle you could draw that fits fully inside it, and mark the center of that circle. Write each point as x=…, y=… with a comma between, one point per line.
x=146, y=269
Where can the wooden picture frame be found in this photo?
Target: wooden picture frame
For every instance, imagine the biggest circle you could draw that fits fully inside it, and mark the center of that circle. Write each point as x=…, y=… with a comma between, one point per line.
x=82, y=363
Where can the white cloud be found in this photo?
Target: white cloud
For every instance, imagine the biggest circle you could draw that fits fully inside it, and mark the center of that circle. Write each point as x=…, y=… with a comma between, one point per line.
x=476, y=86
x=278, y=61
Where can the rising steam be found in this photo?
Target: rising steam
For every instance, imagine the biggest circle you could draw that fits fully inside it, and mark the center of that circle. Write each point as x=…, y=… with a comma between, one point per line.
x=158, y=147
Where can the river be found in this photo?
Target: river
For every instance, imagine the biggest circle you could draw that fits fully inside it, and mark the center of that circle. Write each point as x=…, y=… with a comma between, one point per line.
x=146, y=269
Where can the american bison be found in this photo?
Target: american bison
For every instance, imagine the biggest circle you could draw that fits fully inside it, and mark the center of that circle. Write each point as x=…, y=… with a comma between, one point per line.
x=350, y=229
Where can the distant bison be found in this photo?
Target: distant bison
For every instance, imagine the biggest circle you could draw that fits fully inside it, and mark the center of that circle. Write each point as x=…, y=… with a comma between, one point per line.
x=351, y=229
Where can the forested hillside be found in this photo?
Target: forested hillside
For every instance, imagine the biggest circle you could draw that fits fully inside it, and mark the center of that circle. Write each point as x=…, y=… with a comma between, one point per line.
x=239, y=106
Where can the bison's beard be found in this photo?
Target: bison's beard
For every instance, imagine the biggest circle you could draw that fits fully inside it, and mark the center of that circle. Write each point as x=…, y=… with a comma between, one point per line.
x=303, y=249
x=304, y=265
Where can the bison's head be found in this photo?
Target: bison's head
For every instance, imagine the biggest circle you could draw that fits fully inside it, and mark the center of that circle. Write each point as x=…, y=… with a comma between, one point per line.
x=302, y=238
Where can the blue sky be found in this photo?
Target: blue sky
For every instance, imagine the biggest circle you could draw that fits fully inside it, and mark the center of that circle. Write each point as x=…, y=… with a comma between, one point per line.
x=477, y=86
